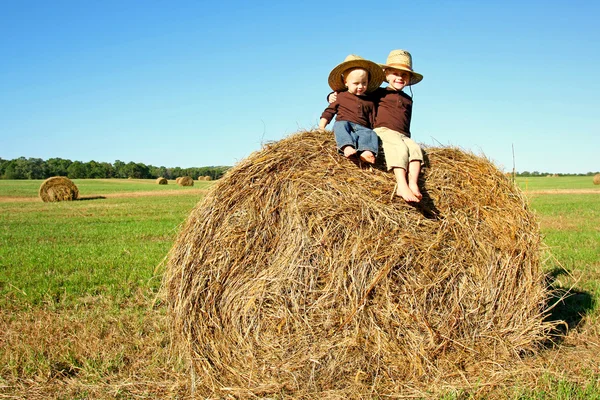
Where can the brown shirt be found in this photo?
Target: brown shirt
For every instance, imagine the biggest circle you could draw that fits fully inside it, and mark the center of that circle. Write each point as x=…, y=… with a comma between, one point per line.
x=394, y=110
x=352, y=108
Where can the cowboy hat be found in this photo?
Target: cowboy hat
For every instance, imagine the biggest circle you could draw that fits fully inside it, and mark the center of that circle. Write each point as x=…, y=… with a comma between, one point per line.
x=336, y=76
x=402, y=60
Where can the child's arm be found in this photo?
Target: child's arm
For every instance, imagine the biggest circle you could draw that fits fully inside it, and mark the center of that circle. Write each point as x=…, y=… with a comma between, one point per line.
x=328, y=115
x=323, y=123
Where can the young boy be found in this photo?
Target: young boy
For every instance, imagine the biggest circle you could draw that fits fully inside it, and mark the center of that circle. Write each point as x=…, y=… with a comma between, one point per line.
x=392, y=124
x=354, y=110
x=403, y=156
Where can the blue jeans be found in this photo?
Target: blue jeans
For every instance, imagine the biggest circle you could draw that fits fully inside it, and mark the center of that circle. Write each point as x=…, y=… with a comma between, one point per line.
x=355, y=135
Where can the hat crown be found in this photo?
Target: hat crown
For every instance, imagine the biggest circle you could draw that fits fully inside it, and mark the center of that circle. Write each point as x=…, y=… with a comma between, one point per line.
x=352, y=57
x=401, y=57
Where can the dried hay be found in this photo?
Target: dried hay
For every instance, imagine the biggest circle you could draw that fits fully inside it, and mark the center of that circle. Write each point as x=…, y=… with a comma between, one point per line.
x=177, y=179
x=597, y=179
x=58, y=188
x=204, y=178
x=299, y=275
x=162, y=181
x=185, y=181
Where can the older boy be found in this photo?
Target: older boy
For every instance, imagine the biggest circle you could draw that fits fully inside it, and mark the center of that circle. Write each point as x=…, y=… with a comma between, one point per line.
x=403, y=156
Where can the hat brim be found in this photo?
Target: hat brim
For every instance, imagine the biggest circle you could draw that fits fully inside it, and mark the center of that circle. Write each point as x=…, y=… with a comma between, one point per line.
x=415, y=77
x=376, y=75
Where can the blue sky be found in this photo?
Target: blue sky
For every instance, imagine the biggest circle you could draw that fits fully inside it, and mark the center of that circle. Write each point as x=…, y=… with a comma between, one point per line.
x=193, y=83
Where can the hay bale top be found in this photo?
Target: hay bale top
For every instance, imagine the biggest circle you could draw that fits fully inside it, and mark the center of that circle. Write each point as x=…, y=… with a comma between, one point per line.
x=301, y=274
x=58, y=188
x=185, y=181
x=597, y=179
x=162, y=181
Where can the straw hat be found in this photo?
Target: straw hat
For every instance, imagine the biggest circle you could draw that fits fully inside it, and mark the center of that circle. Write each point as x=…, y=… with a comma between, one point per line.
x=402, y=60
x=376, y=75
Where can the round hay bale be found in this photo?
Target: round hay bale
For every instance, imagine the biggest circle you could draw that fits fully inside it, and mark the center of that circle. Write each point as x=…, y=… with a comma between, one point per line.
x=186, y=181
x=204, y=178
x=300, y=275
x=177, y=179
x=58, y=188
x=162, y=181
x=597, y=179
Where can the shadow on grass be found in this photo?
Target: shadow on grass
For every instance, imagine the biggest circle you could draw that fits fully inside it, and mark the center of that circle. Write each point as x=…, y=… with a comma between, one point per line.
x=569, y=306
x=90, y=198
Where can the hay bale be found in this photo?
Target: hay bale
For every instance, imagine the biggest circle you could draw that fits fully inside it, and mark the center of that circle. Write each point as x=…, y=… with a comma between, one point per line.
x=300, y=275
x=597, y=179
x=185, y=181
x=162, y=181
x=58, y=188
x=204, y=178
x=177, y=180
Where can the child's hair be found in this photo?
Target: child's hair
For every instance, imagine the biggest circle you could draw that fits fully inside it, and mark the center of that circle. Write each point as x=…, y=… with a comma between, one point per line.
x=349, y=70
x=385, y=70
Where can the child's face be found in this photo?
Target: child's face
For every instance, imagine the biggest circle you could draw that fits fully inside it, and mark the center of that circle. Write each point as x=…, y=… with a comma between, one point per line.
x=357, y=81
x=397, y=78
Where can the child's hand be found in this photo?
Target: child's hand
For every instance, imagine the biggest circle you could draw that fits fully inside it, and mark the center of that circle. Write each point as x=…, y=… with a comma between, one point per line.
x=332, y=97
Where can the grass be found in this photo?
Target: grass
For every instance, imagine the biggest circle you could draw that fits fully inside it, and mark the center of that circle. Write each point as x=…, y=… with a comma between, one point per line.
x=556, y=182
x=95, y=187
x=57, y=252
x=80, y=318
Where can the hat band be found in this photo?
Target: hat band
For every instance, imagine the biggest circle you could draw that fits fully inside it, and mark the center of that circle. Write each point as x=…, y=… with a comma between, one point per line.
x=394, y=65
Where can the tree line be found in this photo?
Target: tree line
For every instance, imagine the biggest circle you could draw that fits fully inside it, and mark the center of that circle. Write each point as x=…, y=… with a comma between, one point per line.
x=36, y=168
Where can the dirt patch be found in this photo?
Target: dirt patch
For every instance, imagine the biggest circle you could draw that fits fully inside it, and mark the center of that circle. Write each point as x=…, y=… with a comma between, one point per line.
x=174, y=192
x=155, y=193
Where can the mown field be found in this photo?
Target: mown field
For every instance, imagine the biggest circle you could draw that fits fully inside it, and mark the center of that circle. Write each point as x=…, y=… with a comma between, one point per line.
x=80, y=315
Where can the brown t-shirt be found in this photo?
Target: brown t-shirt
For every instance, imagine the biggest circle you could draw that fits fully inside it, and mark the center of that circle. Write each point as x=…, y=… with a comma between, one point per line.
x=352, y=108
x=394, y=110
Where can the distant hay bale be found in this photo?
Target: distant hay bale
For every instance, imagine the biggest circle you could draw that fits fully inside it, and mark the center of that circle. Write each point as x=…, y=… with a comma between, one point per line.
x=177, y=180
x=300, y=276
x=597, y=179
x=204, y=178
x=58, y=188
x=162, y=181
x=185, y=181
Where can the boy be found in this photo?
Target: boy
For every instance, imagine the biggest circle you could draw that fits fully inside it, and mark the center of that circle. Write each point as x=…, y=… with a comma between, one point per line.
x=354, y=110
x=392, y=124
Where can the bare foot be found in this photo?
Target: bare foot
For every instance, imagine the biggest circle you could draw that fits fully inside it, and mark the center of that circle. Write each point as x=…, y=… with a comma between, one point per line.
x=367, y=157
x=415, y=189
x=407, y=194
x=349, y=151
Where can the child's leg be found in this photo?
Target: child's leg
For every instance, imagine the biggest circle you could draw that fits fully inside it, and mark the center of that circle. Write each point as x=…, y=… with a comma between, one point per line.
x=414, y=165
x=344, y=137
x=368, y=143
x=403, y=189
x=414, y=169
x=396, y=152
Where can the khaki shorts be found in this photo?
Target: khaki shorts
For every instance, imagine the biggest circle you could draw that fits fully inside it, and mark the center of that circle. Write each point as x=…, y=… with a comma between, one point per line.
x=399, y=149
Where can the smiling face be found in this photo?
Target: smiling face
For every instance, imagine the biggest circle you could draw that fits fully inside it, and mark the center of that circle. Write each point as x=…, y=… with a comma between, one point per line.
x=397, y=78
x=356, y=81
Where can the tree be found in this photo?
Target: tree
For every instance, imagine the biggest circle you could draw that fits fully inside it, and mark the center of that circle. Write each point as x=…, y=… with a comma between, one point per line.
x=77, y=170
x=57, y=167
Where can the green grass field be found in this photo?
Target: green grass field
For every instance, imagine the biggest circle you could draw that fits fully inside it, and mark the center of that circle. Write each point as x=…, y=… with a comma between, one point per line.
x=80, y=317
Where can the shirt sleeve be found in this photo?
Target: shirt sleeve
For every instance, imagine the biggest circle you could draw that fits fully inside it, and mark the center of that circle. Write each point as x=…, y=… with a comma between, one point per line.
x=330, y=111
